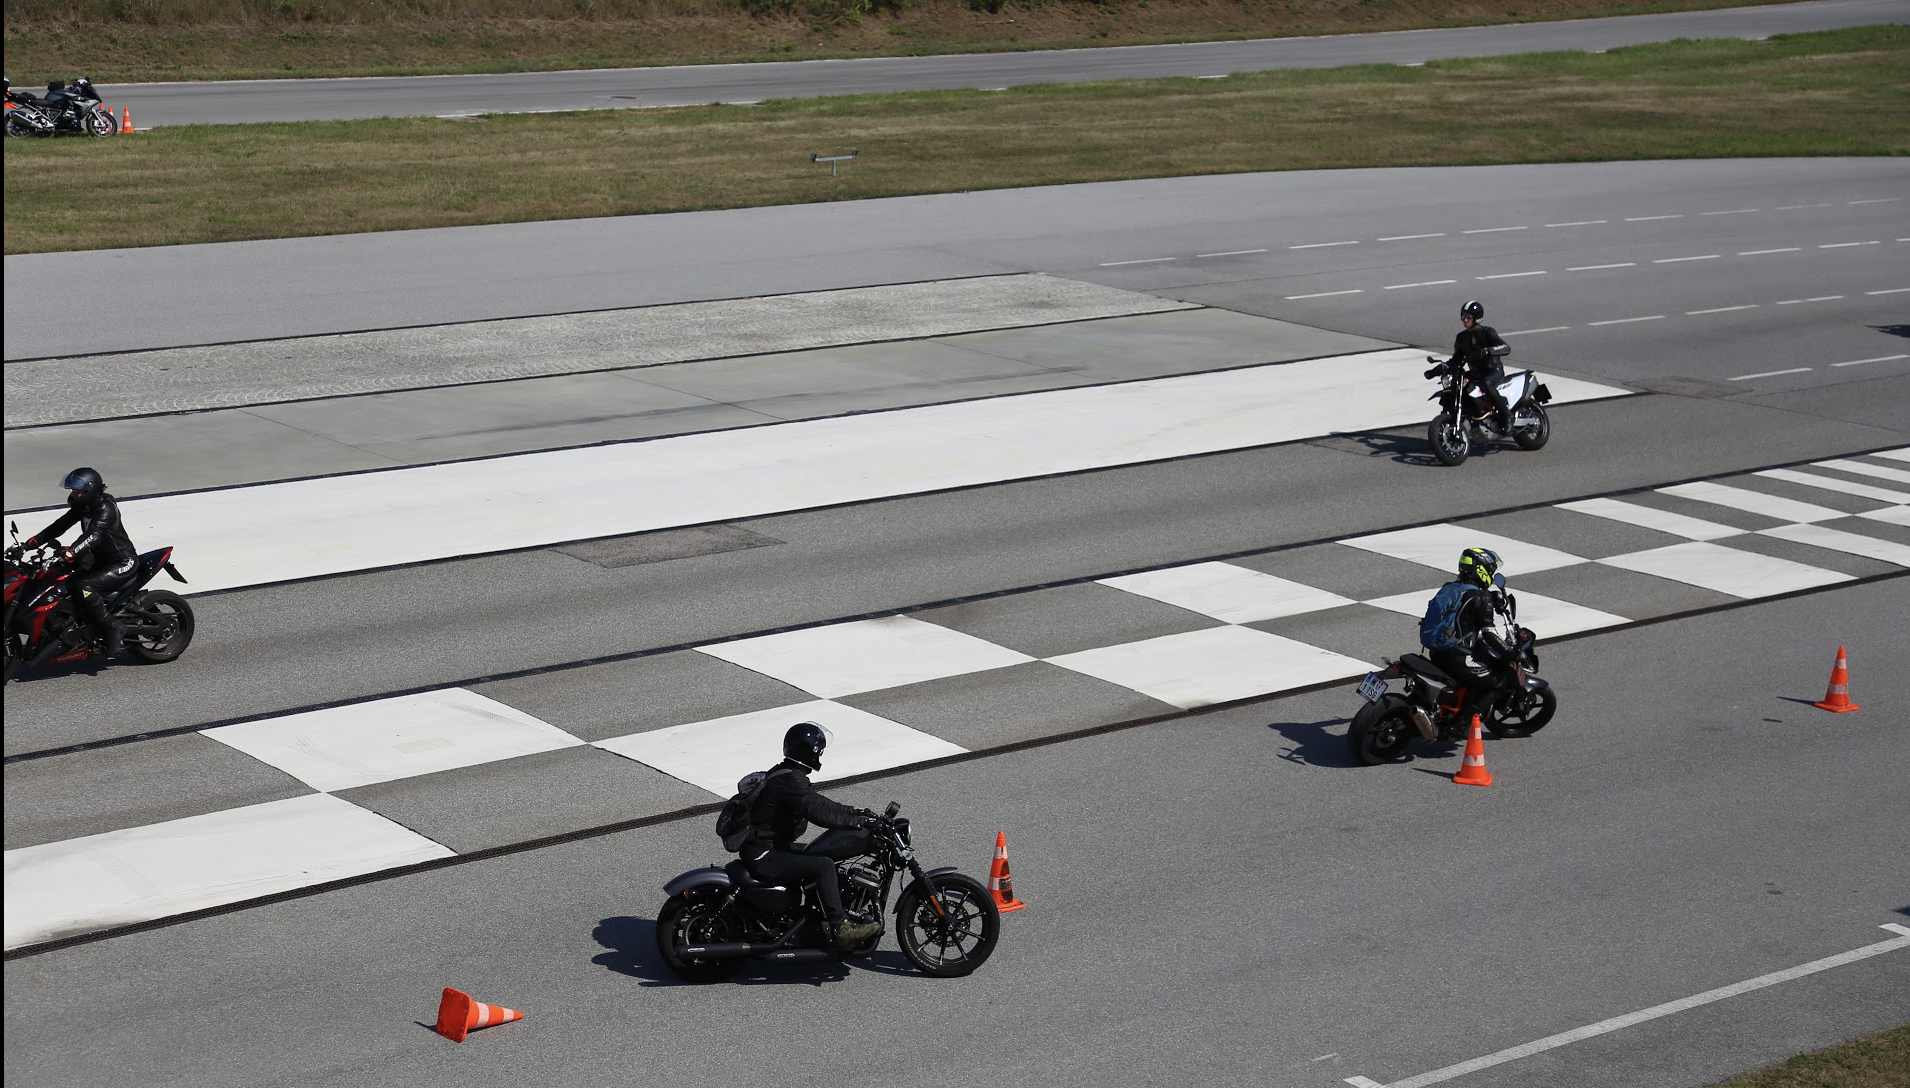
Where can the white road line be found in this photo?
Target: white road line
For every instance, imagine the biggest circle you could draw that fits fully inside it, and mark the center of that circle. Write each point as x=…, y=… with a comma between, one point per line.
x=1733, y=211
x=1847, y=245
x=1676, y=260
x=1878, y=359
x=1753, y=502
x=1580, y=223
x=1721, y=310
x=1650, y=517
x=1824, y=298
x=1548, y=328
x=1649, y=218
x=1550, y=1042
x=1425, y=283
x=1768, y=374
x=1836, y=540
x=1877, y=200
x=1509, y=275
x=1845, y=487
x=1432, y=546
x=1865, y=468
x=1795, y=207
x=1323, y=245
x=1890, y=290
x=1492, y=230
x=1411, y=237
x=1627, y=320
x=1231, y=253
x=1144, y=260
x=1598, y=267
x=1327, y=294
x=1762, y=252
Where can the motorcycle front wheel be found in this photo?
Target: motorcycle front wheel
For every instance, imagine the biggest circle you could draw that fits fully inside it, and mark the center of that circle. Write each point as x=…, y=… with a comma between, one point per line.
x=684, y=922
x=158, y=626
x=101, y=123
x=1382, y=731
x=953, y=933
x=1448, y=440
x=1522, y=713
x=1536, y=435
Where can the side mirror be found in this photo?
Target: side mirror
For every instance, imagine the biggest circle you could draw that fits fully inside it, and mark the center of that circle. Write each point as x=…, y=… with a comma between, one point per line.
x=889, y=813
x=1511, y=608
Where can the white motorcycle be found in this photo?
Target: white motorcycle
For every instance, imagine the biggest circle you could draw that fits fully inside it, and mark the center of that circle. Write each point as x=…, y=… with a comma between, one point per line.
x=1466, y=417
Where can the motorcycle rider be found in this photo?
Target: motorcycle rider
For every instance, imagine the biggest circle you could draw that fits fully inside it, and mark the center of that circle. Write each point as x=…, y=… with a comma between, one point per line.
x=1477, y=600
x=102, y=554
x=1481, y=367
x=784, y=810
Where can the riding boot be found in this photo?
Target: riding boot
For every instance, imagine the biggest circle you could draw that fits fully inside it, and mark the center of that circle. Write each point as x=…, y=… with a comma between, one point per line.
x=112, y=639
x=849, y=934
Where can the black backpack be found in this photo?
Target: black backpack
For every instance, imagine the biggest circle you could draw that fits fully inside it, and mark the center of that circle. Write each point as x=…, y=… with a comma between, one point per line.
x=736, y=822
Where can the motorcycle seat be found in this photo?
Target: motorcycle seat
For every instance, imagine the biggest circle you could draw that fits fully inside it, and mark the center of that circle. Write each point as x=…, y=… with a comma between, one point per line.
x=1427, y=669
x=742, y=876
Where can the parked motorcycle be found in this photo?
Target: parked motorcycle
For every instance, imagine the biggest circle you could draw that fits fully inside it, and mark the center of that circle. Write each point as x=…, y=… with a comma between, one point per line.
x=1466, y=417
x=73, y=107
x=43, y=623
x=1431, y=706
x=716, y=918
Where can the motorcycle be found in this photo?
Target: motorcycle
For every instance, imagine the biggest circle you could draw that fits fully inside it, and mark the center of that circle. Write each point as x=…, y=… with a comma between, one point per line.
x=67, y=107
x=1466, y=417
x=1431, y=706
x=43, y=623
x=716, y=918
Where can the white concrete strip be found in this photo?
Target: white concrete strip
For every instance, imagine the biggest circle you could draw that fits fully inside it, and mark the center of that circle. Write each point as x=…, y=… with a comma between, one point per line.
x=1864, y=468
x=1627, y=320
x=1439, y=546
x=1412, y=237
x=141, y=873
x=1510, y=275
x=1876, y=200
x=1323, y=245
x=1755, y=502
x=1548, y=616
x=1824, y=298
x=1890, y=291
x=1878, y=359
x=1894, y=455
x=1227, y=592
x=865, y=655
x=1727, y=570
x=1847, y=245
x=1580, y=223
x=386, y=739
x=1797, y=207
x=1326, y=294
x=1649, y=218
x=1681, y=260
x=1832, y=483
x=714, y=754
x=1231, y=253
x=1762, y=252
x=1200, y=668
x=1894, y=515
x=1731, y=211
x=1491, y=230
x=1649, y=517
x=1721, y=310
x=1601, y=267
x=1820, y=536
x=265, y=533
x=1769, y=374
x=1422, y=283
x=1143, y=260
x=1550, y=1042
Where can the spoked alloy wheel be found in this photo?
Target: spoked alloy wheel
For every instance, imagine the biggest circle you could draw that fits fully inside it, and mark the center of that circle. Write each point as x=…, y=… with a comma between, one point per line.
x=101, y=123
x=1448, y=440
x=686, y=922
x=159, y=626
x=951, y=935
x=1522, y=713
x=1536, y=435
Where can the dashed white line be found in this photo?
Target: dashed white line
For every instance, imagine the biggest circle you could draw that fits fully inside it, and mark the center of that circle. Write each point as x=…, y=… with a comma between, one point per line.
x=1144, y=260
x=1878, y=200
x=1326, y=294
x=1676, y=260
x=1732, y=211
x=1762, y=252
x=1509, y=275
x=1323, y=245
x=1824, y=298
x=1627, y=320
x=1889, y=291
x=1770, y=374
x=1427, y=283
x=1534, y=332
x=1231, y=253
x=1650, y=218
x=1580, y=223
x=1795, y=207
x=1491, y=230
x=1878, y=359
x=1410, y=237
x=1720, y=310
x=1846, y=245
x=1596, y=267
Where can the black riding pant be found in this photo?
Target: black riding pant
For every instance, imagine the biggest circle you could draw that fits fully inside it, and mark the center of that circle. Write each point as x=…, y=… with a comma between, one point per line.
x=93, y=586
x=1489, y=385
x=815, y=864
x=1481, y=687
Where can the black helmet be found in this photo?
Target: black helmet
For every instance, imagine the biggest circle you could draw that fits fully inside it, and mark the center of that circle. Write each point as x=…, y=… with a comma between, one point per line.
x=1478, y=566
x=804, y=743
x=85, y=487
x=1473, y=309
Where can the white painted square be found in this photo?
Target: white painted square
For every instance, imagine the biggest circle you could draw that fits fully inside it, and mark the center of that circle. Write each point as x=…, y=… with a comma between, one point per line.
x=1833, y=483
x=1548, y=617
x=1865, y=468
x=1756, y=502
x=865, y=655
x=387, y=739
x=1652, y=518
x=1895, y=455
x=1227, y=592
x=1820, y=536
x=142, y=873
x=1219, y=664
x=1439, y=546
x=1895, y=515
x=714, y=754
x=1727, y=570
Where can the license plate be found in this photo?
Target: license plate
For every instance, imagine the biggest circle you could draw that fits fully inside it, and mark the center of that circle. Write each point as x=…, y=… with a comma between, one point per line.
x=1372, y=687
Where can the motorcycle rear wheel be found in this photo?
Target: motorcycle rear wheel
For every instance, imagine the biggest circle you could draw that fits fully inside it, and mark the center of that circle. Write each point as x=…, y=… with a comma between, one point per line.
x=155, y=606
x=684, y=922
x=1448, y=440
x=1536, y=435
x=1381, y=732
x=954, y=948
x=1522, y=713
x=18, y=127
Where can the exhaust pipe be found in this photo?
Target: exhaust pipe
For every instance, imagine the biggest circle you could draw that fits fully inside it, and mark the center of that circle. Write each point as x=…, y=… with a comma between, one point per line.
x=738, y=950
x=1425, y=725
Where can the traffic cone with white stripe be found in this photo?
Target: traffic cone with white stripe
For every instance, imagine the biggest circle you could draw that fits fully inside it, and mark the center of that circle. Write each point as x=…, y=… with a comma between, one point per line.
x=1837, y=699
x=459, y=1015
x=998, y=885
x=1473, y=772
x=126, y=124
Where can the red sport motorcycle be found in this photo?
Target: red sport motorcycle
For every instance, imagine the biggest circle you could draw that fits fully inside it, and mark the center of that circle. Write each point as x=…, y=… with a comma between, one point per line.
x=43, y=623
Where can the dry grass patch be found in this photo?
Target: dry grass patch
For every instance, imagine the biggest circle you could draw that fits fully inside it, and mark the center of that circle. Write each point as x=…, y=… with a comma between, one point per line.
x=1875, y=1061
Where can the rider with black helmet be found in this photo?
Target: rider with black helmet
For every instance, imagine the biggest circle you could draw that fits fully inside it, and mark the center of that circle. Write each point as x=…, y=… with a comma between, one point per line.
x=102, y=554
x=784, y=811
x=1482, y=368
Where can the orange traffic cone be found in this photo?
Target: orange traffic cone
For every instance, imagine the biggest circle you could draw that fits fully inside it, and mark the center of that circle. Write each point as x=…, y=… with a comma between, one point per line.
x=1473, y=772
x=998, y=885
x=126, y=123
x=458, y=1015
x=1837, y=699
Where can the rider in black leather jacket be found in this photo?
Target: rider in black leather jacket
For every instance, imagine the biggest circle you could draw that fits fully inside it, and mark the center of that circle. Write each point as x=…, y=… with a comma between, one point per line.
x=784, y=811
x=102, y=555
x=1482, y=368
